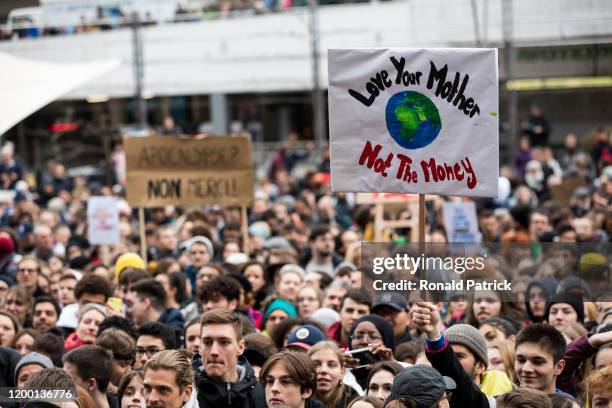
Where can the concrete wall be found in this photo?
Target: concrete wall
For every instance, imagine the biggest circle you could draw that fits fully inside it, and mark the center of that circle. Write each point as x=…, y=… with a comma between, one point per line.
x=272, y=52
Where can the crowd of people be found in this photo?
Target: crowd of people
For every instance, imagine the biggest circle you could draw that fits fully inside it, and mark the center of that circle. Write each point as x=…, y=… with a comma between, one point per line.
x=289, y=317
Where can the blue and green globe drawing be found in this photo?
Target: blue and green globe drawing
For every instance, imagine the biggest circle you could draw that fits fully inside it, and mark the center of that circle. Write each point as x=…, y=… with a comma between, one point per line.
x=412, y=119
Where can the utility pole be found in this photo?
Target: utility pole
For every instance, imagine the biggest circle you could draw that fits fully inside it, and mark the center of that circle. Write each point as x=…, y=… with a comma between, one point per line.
x=138, y=66
x=320, y=135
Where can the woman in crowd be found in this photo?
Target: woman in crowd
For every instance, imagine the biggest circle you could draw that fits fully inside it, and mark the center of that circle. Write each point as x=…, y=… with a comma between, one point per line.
x=497, y=328
x=375, y=333
x=24, y=340
x=19, y=304
x=255, y=273
x=380, y=380
x=90, y=317
x=538, y=294
x=9, y=327
x=174, y=284
x=130, y=390
x=487, y=304
x=309, y=300
x=276, y=312
x=290, y=278
x=330, y=368
x=501, y=357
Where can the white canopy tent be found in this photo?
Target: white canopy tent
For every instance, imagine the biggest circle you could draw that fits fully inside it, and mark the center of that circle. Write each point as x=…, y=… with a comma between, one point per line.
x=28, y=85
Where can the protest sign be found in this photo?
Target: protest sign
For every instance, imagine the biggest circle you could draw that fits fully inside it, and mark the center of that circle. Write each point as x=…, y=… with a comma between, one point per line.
x=103, y=220
x=460, y=222
x=563, y=192
x=166, y=170
x=414, y=121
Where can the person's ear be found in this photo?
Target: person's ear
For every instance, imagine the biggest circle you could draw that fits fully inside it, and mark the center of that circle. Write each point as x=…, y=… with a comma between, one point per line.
x=233, y=304
x=92, y=384
x=480, y=368
x=187, y=393
x=307, y=393
x=559, y=367
x=241, y=347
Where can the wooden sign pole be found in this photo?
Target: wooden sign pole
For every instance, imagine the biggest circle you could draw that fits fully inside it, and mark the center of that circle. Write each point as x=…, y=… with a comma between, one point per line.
x=421, y=221
x=143, y=234
x=245, y=231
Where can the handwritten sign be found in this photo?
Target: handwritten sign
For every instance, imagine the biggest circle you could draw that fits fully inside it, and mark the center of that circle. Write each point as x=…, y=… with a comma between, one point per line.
x=103, y=220
x=414, y=121
x=460, y=222
x=166, y=170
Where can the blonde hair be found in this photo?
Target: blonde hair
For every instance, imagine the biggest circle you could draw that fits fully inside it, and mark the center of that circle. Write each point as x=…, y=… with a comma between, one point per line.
x=599, y=382
x=506, y=351
x=174, y=360
x=338, y=393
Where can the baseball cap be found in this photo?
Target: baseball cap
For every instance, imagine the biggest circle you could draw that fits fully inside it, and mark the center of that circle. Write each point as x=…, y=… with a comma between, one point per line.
x=305, y=337
x=394, y=300
x=423, y=384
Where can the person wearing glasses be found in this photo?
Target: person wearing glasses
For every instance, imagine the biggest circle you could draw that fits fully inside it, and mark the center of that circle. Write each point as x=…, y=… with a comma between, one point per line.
x=375, y=333
x=153, y=337
x=420, y=386
x=27, y=276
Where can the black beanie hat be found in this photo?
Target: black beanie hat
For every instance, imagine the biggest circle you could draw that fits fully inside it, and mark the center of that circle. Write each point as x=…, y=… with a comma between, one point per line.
x=383, y=326
x=571, y=299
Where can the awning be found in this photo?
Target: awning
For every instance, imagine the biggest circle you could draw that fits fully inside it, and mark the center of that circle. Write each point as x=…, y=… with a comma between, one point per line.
x=28, y=85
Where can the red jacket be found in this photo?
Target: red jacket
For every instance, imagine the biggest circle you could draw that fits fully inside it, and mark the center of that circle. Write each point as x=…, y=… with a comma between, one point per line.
x=334, y=332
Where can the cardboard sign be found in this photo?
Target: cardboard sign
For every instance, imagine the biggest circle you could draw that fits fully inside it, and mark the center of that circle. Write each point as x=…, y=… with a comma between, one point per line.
x=414, y=120
x=460, y=222
x=103, y=220
x=167, y=170
x=563, y=192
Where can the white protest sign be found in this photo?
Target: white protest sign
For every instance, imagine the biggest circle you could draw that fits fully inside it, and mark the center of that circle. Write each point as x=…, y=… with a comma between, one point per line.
x=103, y=220
x=460, y=222
x=414, y=120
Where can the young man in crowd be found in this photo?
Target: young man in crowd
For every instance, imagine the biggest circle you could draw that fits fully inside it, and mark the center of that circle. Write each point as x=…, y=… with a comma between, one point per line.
x=599, y=388
x=29, y=365
x=290, y=381
x=355, y=304
x=395, y=309
x=334, y=294
x=168, y=379
x=223, y=377
x=153, y=337
x=46, y=313
x=91, y=367
x=539, y=357
x=67, y=283
x=146, y=302
x=322, y=247
x=220, y=293
x=201, y=252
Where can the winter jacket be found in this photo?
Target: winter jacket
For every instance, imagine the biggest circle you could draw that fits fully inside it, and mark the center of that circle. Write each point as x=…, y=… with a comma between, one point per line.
x=334, y=332
x=174, y=319
x=247, y=392
x=467, y=394
x=8, y=361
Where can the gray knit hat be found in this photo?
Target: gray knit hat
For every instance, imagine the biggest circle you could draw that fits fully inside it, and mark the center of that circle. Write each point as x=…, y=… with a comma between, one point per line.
x=470, y=337
x=33, y=358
